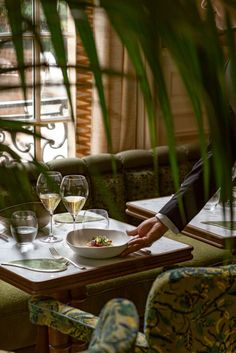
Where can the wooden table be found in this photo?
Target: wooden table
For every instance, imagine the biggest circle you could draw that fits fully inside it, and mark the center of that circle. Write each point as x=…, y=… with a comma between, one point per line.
x=63, y=285
x=207, y=226
x=147, y=208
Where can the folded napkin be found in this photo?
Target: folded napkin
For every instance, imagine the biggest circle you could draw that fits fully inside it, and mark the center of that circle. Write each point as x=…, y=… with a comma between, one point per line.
x=67, y=218
x=40, y=265
x=223, y=224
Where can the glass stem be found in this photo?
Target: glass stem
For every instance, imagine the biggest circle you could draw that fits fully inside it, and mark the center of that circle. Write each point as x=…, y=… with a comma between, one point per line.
x=74, y=218
x=51, y=234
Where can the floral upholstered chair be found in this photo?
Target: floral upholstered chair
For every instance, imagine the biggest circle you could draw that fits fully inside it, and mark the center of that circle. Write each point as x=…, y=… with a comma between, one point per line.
x=114, y=331
x=188, y=310
x=193, y=310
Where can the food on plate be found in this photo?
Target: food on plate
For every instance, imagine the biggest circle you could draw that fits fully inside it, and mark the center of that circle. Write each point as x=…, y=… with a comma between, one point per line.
x=99, y=241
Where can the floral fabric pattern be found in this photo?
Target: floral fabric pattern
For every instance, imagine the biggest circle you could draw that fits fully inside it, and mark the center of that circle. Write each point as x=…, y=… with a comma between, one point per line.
x=192, y=310
x=117, y=328
x=108, y=192
x=140, y=184
x=64, y=318
x=188, y=310
x=114, y=331
x=166, y=181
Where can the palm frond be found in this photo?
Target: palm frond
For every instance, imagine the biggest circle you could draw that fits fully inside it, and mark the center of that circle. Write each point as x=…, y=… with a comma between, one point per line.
x=145, y=27
x=15, y=18
x=50, y=9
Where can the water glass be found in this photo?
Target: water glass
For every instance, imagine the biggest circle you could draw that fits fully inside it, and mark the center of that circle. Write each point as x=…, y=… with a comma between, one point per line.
x=95, y=218
x=234, y=196
x=24, y=227
x=213, y=202
x=228, y=204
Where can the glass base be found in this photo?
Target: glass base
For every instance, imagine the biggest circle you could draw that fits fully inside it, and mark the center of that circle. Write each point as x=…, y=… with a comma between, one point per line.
x=50, y=239
x=25, y=247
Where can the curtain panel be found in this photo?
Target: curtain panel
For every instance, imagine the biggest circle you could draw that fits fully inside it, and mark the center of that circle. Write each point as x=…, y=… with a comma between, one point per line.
x=128, y=122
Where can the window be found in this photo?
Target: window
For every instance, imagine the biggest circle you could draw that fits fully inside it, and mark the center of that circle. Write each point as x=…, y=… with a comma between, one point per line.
x=46, y=106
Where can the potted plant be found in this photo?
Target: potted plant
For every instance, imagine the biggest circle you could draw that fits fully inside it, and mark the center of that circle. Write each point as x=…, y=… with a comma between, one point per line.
x=144, y=27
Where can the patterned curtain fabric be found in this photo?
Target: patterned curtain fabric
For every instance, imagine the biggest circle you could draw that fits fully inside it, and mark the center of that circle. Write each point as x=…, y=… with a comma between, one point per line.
x=83, y=98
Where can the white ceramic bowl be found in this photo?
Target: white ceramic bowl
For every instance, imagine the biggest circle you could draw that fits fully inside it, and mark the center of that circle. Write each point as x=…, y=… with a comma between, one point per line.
x=78, y=240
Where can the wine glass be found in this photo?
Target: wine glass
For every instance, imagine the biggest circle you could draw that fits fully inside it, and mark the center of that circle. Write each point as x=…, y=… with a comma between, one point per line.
x=95, y=218
x=48, y=189
x=74, y=192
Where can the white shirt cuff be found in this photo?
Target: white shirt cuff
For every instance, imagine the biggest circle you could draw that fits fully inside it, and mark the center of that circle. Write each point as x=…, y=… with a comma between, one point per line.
x=167, y=222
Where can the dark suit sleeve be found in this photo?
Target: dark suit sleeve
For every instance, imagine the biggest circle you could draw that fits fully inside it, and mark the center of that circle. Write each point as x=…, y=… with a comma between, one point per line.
x=192, y=193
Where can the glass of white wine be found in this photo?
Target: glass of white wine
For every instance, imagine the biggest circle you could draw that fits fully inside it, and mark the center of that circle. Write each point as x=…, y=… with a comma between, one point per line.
x=48, y=190
x=74, y=192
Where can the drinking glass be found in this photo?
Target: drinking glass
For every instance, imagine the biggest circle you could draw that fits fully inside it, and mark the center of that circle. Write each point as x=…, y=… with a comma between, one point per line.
x=213, y=202
x=95, y=218
x=24, y=228
x=48, y=189
x=74, y=192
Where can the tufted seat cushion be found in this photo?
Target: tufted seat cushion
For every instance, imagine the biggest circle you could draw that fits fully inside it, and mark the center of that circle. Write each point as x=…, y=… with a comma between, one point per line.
x=15, y=328
x=107, y=184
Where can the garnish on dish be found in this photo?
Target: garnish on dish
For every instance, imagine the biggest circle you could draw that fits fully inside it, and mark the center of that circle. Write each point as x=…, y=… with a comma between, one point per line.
x=99, y=241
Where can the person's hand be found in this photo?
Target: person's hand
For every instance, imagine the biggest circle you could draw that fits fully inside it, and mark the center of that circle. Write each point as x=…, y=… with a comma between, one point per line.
x=144, y=235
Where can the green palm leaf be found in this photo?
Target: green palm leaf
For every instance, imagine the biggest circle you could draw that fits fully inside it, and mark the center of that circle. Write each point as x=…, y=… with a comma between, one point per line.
x=145, y=27
x=15, y=18
x=50, y=9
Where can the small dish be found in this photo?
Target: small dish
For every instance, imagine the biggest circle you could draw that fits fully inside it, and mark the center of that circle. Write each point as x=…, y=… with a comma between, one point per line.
x=78, y=241
x=39, y=265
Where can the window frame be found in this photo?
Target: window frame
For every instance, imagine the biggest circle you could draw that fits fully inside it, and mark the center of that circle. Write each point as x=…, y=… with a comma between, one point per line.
x=37, y=122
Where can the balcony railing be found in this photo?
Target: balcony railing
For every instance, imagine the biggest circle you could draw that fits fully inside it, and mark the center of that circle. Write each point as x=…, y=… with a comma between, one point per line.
x=49, y=107
x=54, y=119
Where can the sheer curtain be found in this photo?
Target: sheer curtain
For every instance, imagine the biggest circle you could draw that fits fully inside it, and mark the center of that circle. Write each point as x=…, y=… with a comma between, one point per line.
x=128, y=123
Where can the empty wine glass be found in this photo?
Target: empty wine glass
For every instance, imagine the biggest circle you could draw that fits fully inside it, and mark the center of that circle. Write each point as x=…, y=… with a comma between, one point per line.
x=48, y=189
x=95, y=218
x=74, y=192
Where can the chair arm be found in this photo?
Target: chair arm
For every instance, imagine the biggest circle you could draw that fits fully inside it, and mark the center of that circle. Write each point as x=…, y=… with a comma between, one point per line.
x=64, y=318
x=116, y=327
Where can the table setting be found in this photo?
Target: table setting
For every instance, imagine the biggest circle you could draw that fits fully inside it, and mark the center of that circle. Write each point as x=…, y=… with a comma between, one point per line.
x=49, y=262
x=40, y=267
x=45, y=267
x=78, y=246
x=29, y=253
x=73, y=248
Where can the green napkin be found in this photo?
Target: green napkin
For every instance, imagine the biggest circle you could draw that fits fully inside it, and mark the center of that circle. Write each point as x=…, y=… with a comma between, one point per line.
x=40, y=265
x=223, y=224
x=67, y=218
